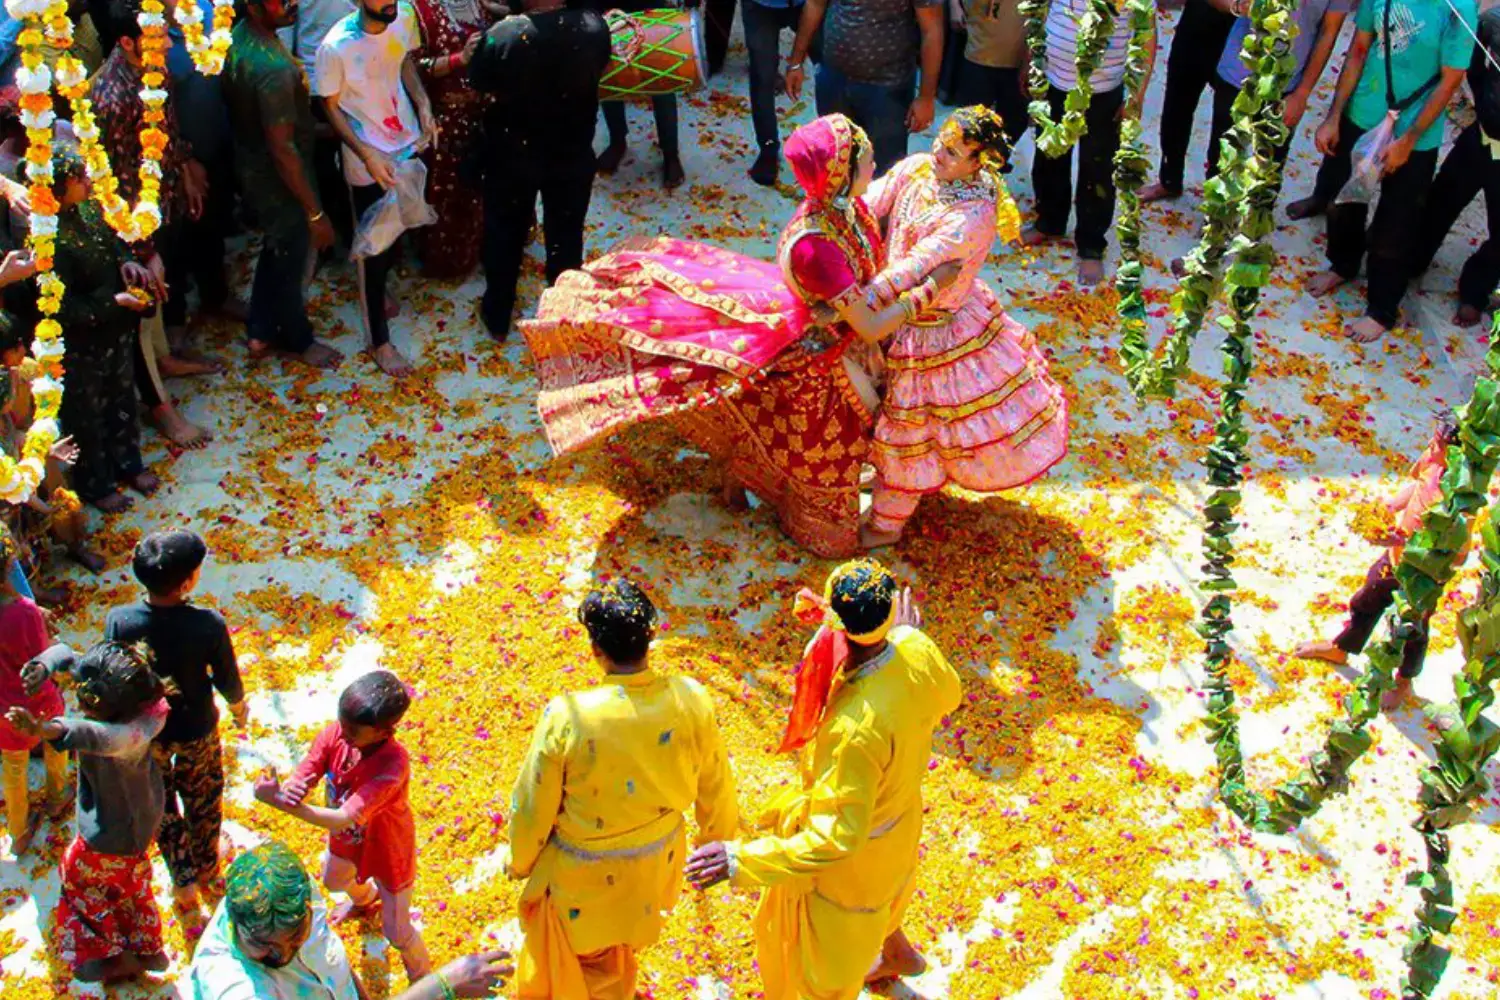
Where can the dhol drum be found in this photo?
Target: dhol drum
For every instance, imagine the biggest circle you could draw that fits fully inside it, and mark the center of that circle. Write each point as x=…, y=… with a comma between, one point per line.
x=656, y=52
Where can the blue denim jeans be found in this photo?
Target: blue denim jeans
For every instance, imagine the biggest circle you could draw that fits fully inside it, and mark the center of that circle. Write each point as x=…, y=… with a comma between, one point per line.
x=880, y=109
x=278, y=313
x=763, y=27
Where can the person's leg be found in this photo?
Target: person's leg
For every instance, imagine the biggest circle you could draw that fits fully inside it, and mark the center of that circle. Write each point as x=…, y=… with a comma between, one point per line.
x=1096, y=185
x=614, y=123
x=1223, y=118
x=278, y=312
x=58, y=790
x=1398, y=215
x=205, y=241
x=1052, y=180
x=159, y=408
x=199, y=781
x=1458, y=181
x=831, y=92
x=762, y=27
x=1011, y=104
x=371, y=274
x=718, y=24
x=342, y=876
x=13, y=764
x=664, y=110
x=122, y=420
x=1481, y=272
x=889, y=512
x=509, y=206
x=396, y=925
x=881, y=111
x=1346, y=222
x=82, y=414
x=1201, y=33
x=1366, y=606
x=565, y=209
x=171, y=835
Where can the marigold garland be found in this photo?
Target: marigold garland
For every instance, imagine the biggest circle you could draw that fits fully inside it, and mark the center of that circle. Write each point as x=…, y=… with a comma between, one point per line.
x=138, y=222
x=207, y=53
x=1094, y=29
x=34, y=80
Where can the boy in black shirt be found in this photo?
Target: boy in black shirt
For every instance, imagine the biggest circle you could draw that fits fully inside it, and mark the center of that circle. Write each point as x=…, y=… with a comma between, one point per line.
x=192, y=647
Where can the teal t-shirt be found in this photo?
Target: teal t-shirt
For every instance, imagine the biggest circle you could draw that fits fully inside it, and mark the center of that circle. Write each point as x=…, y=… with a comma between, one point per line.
x=1426, y=36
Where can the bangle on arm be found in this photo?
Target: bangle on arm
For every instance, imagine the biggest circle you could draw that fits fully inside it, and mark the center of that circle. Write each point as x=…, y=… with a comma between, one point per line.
x=447, y=987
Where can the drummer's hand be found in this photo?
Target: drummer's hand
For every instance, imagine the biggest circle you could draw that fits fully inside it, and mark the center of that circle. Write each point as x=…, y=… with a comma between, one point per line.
x=793, y=81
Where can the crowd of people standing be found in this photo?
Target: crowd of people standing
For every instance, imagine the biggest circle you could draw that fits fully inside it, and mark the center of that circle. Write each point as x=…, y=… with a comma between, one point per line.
x=323, y=107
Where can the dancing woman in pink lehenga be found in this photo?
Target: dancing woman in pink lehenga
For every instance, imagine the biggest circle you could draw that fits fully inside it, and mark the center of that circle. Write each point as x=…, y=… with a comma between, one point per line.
x=968, y=397
x=726, y=346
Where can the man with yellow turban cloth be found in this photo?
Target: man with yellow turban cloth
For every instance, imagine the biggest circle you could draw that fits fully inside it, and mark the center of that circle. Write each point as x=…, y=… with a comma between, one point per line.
x=839, y=859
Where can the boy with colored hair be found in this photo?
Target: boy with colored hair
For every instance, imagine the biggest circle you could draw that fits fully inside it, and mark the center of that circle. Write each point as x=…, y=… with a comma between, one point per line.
x=597, y=825
x=372, y=837
x=191, y=646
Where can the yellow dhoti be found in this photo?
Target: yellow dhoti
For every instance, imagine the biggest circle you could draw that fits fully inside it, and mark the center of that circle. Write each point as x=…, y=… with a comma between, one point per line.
x=549, y=969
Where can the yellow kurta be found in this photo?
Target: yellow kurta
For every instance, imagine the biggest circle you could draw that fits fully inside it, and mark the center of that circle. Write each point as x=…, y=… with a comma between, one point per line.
x=840, y=861
x=598, y=830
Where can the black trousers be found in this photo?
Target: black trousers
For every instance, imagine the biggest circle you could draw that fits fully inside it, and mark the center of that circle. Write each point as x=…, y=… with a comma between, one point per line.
x=763, y=27
x=1385, y=246
x=1369, y=602
x=192, y=250
x=372, y=272
x=663, y=108
x=509, y=211
x=1052, y=177
x=1223, y=119
x=1192, y=66
x=278, y=312
x=999, y=89
x=1467, y=170
x=718, y=22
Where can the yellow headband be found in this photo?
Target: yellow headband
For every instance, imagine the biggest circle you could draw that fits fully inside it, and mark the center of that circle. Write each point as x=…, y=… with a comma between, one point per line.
x=878, y=573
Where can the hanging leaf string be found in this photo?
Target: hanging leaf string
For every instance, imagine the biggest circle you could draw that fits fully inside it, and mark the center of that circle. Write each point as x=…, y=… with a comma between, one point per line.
x=1095, y=26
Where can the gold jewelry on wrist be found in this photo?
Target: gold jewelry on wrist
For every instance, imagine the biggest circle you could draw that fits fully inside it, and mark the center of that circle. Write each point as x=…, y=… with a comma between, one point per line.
x=315, y=216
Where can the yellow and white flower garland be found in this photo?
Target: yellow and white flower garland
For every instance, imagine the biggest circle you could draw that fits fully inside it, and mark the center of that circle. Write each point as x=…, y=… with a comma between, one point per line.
x=207, y=53
x=138, y=222
x=19, y=480
x=48, y=21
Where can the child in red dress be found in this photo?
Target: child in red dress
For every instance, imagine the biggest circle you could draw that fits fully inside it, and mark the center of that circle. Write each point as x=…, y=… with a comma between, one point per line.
x=372, y=841
x=1409, y=506
x=23, y=637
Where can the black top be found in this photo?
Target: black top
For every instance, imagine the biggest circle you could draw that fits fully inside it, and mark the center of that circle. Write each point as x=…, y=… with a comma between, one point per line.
x=1484, y=79
x=544, y=71
x=193, y=648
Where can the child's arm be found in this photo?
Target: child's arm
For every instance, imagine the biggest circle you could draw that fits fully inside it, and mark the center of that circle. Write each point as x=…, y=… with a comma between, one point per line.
x=101, y=739
x=268, y=790
x=311, y=769
x=224, y=670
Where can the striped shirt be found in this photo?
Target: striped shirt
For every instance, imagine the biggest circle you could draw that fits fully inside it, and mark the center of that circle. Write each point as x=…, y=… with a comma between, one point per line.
x=1062, y=48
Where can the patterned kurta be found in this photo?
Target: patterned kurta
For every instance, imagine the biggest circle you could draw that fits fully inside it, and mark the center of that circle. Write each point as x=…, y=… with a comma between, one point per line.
x=116, y=93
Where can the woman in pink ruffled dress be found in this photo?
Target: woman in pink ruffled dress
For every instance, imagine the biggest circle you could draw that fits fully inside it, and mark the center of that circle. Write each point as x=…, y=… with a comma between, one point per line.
x=968, y=399
x=725, y=346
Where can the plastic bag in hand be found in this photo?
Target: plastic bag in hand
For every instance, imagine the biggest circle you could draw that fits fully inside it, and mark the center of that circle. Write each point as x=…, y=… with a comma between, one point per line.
x=403, y=206
x=1368, y=160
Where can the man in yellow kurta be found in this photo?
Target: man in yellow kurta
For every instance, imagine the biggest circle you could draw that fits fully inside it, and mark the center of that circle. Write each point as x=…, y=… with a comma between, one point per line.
x=597, y=826
x=839, y=860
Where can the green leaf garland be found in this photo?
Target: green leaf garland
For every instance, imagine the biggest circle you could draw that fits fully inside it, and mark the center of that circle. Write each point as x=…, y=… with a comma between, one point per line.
x=1094, y=29
x=1467, y=738
x=1267, y=52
